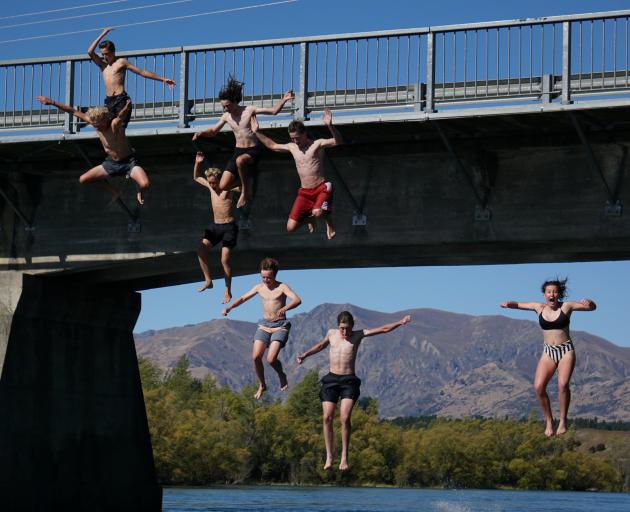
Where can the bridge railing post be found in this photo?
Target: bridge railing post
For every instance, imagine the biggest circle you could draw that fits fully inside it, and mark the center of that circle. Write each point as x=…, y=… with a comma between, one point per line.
x=182, y=118
x=566, y=62
x=301, y=111
x=69, y=123
x=429, y=97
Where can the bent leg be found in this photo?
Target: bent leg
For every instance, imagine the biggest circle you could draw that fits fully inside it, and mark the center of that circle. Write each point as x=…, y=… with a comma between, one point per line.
x=274, y=362
x=328, y=414
x=227, y=271
x=96, y=176
x=138, y=175
x=258, y=351
x=242, y=164
x=202, y=256
x=544, y=371
x=565, y=370
x=345, y=412
x=228, y=180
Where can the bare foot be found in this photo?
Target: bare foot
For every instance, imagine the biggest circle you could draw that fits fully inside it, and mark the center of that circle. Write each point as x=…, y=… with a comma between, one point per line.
x=330, y=232
x=562, y=428
x=140, y=197
x=549, y=429
x=206, y=286
x=284, y=384
x=259, y=393
x=242, y=200
x=311, y=226
x=343, y=465
x=227, y=297
x=329, y=463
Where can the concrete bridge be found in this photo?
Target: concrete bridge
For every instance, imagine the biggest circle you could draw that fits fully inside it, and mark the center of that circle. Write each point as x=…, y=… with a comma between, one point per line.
x=500, y=142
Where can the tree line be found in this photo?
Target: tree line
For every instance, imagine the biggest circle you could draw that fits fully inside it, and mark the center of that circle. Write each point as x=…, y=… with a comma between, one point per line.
x=203, y=434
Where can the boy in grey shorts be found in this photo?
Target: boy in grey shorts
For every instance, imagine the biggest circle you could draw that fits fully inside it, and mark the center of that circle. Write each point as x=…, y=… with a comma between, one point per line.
x=273, y=328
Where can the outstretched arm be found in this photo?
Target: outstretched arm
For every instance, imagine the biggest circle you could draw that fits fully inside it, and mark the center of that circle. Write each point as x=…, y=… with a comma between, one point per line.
x=197, y=176
x=527, y=306
x=148, y=74
x=210, y=132
x=295, y=301
x=387, y=327
x=274, y=146
x=337, y=138
x=582, y=305
x=314, y=349
x=66, y=108
x=277, y=107
x=240, y=300
x=92, y=48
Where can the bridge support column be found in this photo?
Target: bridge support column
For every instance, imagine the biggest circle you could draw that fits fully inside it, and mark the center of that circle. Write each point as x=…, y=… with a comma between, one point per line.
x=73, y=428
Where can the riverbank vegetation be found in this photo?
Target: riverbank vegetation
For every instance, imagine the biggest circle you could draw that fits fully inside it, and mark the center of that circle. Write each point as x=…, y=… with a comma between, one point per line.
x=205, y=434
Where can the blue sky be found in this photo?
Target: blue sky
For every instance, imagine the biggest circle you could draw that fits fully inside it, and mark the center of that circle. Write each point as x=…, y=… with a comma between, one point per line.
x=473, y=290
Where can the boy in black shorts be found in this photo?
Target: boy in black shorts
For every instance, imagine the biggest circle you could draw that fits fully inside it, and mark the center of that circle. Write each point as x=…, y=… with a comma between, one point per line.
x=223, y=229
x=342, y=382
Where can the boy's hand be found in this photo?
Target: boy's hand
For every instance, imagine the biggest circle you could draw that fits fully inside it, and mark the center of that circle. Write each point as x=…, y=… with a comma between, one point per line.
x=300, y=359
x=170, y=83
x=327, y=117
x=44, y=100
x=254, y=124
x=225, y=311
x=287, y=96
x=405, y=320
x=107, y=30
x=196, y=135
x=199, y=157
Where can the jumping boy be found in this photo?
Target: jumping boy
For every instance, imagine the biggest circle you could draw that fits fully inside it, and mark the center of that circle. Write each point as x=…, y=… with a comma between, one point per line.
x=314, y=198
x=121, y=159
x=273, y=328
x=248, y=150
x=342, y=382
x=223, y=228
x=114, y=70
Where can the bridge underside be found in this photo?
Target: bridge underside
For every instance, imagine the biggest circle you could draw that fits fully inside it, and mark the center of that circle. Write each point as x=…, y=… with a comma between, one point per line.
x=491, y=189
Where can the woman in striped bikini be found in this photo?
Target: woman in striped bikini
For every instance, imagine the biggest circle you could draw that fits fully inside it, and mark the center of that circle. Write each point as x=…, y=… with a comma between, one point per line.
x=558, y=353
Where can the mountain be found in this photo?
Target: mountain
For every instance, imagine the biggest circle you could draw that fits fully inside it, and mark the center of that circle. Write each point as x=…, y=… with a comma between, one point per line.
x=441, y=363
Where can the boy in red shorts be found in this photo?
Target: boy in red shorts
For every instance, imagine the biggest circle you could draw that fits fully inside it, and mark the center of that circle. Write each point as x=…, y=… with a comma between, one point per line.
x=314, y=198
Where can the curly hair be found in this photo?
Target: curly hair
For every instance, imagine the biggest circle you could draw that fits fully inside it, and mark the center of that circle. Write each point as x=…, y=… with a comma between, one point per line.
x=345, y=317
x=232, y=91
x=269, y=264
x=96, y=115
x=213, y=171
x=560, y=283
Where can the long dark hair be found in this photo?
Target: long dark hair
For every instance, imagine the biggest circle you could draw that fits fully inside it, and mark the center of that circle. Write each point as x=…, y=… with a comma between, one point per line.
x=232, y=91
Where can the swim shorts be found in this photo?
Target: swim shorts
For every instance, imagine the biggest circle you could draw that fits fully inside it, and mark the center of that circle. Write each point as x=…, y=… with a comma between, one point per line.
x=335, y=386
x=309, y=199
x=116, y=103
x=255, y=152
x=120, y=167
x=281, y=335
x=226, y=233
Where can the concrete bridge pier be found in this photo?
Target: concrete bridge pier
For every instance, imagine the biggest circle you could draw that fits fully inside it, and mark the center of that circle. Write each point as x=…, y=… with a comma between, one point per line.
x=73, y=427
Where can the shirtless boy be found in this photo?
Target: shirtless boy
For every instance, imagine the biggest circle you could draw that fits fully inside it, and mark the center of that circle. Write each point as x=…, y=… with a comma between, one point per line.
x=248, y=150
x=314, y=198
x=223, y=228
x=114, y=69
x=121, y=159
x=342, y=382
x=273, y=328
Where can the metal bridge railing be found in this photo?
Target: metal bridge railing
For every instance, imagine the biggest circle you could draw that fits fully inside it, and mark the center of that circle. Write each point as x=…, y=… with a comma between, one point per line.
x=560, y=58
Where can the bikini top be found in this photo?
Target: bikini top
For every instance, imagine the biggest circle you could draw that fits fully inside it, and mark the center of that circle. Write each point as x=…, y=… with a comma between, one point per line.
x=559, y=323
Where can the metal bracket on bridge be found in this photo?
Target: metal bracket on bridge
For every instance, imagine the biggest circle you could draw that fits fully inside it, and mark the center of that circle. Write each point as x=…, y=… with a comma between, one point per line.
x=359, y=219
x=613, y=207
x=482, y=213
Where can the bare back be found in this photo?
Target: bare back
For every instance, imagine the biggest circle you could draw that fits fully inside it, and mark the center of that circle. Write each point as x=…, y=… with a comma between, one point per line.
x=343, y=352
x=242, y=128
x=272, y=300
x=114, y=77
x=309, y=162
x=222, y=204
